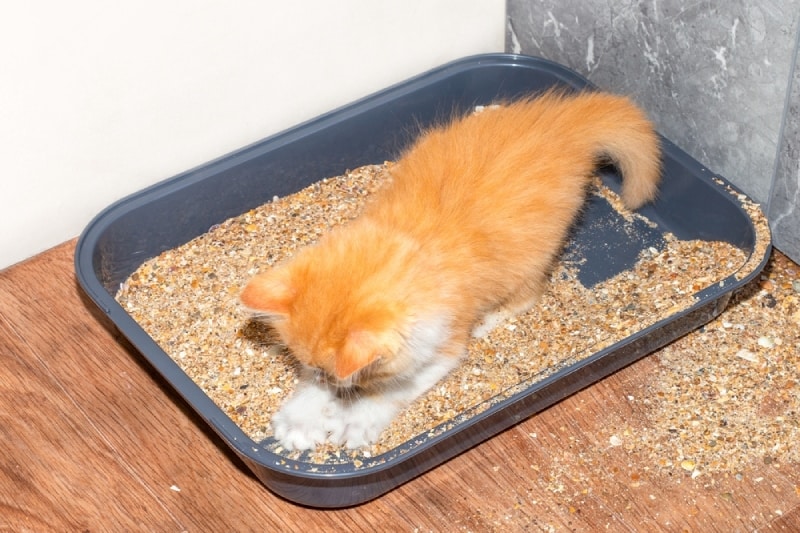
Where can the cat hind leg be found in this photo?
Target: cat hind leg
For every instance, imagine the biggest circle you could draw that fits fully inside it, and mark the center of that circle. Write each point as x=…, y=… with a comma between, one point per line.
x=522, y=300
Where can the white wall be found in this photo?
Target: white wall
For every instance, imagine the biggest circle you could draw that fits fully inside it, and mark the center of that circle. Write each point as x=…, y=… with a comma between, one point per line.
x=99, y=99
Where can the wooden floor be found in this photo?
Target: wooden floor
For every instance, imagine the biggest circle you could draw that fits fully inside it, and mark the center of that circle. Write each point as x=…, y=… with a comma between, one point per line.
x=93, y=440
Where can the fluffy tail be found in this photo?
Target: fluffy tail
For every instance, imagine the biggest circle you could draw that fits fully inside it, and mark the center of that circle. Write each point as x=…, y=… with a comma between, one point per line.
x=628, y=138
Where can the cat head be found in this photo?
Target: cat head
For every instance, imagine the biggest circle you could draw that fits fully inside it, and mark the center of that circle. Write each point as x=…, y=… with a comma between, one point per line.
x=351, y=330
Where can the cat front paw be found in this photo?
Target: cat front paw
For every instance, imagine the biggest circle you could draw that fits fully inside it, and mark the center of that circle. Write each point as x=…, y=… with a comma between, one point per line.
x=362, y=422
x=314, y=415
x=306, y=418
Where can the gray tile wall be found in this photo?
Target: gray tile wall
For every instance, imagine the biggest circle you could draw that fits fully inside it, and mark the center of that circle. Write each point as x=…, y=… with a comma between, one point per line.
x=784, y=200
x=718, y=78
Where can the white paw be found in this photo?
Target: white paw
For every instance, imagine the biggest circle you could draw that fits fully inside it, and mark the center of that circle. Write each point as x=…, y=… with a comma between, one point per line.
x=489, y=322
x=362, y=422
x=314, y=415
x=304, y=420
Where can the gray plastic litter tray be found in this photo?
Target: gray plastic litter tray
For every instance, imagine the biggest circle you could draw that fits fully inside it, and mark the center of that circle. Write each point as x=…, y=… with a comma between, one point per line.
x=692, y=205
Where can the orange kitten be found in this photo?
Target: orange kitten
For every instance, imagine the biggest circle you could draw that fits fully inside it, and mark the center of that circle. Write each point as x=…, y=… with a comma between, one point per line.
x=463, y=237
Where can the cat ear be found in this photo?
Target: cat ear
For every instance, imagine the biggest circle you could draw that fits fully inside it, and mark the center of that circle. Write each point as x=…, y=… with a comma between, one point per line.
x=270, y=293
x=361, y=349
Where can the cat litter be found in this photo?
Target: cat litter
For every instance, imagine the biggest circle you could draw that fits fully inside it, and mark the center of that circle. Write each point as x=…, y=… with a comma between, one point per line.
x=178, y=253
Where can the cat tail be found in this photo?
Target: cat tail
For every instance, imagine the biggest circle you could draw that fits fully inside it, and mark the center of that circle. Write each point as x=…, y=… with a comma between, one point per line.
x=627, y=137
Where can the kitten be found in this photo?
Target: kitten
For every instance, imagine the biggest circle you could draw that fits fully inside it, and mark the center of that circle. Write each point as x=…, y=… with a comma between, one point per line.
x=464, y=236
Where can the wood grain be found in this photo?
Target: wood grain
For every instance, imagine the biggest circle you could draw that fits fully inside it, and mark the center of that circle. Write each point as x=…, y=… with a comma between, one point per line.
x=93, y=440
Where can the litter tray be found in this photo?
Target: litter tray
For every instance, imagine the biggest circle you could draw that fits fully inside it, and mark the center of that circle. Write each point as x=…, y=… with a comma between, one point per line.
x=693, y=204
